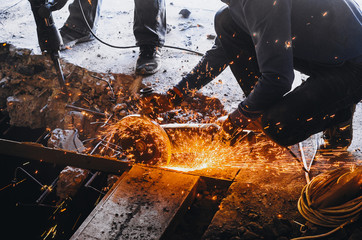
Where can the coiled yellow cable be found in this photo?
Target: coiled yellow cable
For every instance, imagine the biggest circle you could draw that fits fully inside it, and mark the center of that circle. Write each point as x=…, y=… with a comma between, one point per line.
x=310, y=204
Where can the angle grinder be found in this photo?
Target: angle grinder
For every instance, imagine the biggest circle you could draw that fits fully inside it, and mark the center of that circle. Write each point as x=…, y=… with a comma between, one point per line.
x=145, y=141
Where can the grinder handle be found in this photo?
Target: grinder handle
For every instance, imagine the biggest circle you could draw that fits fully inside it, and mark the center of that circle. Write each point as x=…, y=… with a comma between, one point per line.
x=146, y=91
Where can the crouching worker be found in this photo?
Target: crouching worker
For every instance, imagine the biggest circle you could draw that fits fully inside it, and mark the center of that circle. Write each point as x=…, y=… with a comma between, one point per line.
x=262, y=41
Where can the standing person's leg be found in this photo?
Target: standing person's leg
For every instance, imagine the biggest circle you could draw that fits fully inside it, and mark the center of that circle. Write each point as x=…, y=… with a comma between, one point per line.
x=75, y=29
x=149, y=29
x=325, y=101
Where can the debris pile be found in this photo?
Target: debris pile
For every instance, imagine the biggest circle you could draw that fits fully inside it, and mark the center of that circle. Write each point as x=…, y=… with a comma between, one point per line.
x=29, y=93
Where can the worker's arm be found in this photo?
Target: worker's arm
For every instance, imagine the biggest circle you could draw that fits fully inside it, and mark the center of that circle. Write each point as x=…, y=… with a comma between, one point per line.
x=153, y=103
x=209, y=67
x=269, y=25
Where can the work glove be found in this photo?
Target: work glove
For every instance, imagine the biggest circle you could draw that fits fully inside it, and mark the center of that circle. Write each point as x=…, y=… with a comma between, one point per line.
x=231, y=130
x=47, y=8
x=153, y=103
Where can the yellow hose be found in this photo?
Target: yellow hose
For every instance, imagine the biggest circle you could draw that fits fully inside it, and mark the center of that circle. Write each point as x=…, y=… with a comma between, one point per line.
x=323, y=190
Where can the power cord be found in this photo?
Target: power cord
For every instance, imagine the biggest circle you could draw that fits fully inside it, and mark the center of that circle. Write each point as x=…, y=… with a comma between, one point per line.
x=3, y=11
x=331, y=216
x=126, y=47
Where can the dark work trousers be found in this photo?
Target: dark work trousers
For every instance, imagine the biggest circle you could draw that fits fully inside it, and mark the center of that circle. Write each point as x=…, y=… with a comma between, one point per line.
x=76, y=22
x=149, y=25
x=324, y=100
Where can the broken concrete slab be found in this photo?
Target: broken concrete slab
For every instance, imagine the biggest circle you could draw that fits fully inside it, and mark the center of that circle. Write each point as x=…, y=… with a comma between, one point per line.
x=70, y=178
x=32, y=117
x=143, y=204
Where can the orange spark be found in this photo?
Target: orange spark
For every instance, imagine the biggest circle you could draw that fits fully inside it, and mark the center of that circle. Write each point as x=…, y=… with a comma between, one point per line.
x=288, y=44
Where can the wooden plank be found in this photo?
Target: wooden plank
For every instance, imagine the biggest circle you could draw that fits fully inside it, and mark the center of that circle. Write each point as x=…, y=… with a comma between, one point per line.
x=144, y=204
x=37, y=152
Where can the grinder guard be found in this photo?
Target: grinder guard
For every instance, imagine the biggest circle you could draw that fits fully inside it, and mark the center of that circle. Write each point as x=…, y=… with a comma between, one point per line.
x=142, y=140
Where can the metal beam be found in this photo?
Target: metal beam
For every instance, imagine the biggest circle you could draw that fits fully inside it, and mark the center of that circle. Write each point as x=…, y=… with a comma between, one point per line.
x=145, y=204
x=35, y=151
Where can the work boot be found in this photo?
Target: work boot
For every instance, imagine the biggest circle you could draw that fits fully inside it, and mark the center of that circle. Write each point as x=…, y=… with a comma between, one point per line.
x=339, y=136
x=149, y=60
x=71, y=37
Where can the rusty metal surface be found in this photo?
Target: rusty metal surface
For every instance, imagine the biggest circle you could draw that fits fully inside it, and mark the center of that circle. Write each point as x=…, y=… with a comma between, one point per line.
x=34, y=151
x=144, y=204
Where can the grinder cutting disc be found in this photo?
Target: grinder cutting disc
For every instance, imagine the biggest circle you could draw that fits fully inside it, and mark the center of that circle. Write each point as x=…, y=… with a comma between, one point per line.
x=143, y=140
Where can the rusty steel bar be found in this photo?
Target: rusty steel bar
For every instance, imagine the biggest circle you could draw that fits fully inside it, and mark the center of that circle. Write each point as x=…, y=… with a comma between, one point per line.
x=34, y=151
x=86, y=110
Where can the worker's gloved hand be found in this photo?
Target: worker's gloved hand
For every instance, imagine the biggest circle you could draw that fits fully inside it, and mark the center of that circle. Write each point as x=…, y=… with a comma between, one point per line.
x=232, y=128
x=48, y=35
x=58, y=4
x=155, y=103
x=47, y=8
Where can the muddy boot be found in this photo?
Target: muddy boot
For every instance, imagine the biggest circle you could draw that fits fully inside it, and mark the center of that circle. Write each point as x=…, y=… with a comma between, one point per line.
x=71, y=38
x=339, y=136
x=149, y=60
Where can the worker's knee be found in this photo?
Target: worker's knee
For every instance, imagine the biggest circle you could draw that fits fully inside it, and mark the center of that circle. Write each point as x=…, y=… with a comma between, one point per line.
x=221, y=20
x=283, y=127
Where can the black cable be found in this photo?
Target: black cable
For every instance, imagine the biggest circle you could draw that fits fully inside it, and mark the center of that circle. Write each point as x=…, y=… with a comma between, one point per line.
x=3, y=11
x=95, y=36
x=126, y=47
x=184, y=49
